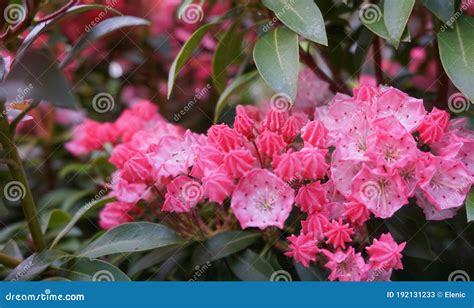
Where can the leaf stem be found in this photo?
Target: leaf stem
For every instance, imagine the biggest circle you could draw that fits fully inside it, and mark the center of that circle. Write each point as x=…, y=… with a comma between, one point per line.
x=18, y=174
x=9, y=261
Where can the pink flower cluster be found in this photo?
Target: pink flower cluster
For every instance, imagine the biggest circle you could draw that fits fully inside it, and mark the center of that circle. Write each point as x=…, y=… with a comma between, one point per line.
x=362, y=155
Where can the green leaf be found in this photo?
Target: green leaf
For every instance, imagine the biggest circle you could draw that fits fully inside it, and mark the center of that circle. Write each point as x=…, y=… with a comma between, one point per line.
x=276, y=55
x=54, y=219
x=11, y=249
x=35, y=264
x=443, y=9
x=301, y=16
x=46, y=25
x=131, y=237
x=375, y=23
x=38, y=77
x=223, y=244
x=456, y=48
x=418, y=244
x=78, y=215
x=363, y=44
x=185, y=53
x=153, y=258
x=237, y=85
x=396, y=14
x=249, y=266
x=470, y=206
x=102, y=29
x=314, y=272
x=93, y=270
x=227, y=53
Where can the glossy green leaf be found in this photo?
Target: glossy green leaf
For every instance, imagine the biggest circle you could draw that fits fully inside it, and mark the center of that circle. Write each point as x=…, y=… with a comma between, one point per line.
x=470, y=206
x=35, y=264
x=443, y=9
x=78, y=215
x=54, y=219
x=93, y=270
x=249, y=266
x=363, y=44
x=101, y=30
x=131, y=237
x=396, y=14
x=236, y=86
x=11, y=249
x=227, y=54
x=38, y=77
x=46, y=25
x=153, y=258
x=314, y=272
x=301, y=16
x=223, y=244
x=456, y=48
x=185, y=53
x=377, y=26
x=418, y=245
x=276, y=55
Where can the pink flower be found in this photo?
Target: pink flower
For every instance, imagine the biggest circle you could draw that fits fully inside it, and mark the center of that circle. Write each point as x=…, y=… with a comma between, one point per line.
x=385, y=252
x=356, y=212
x=224, y=137
x=302, y=248
x=287, y=166
x=208, y=158
x=338, y=234
x=114, y=214
x=292, y=127
x=130, y=192
x=315, y=134
x=345, y=266
x=182, y=194
x=315, y=224
x=262, y=199
x=382, y=192
x=311, y=198
x=445, y=183
x=244, y=125
x=120, y=154
x=238, y=162
x=270, y=143
x=434, y=126
x=137, y=169
x=314, y=163
x=217, y=186
x=275, y=120
x=91, y=136
x=145, y=110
